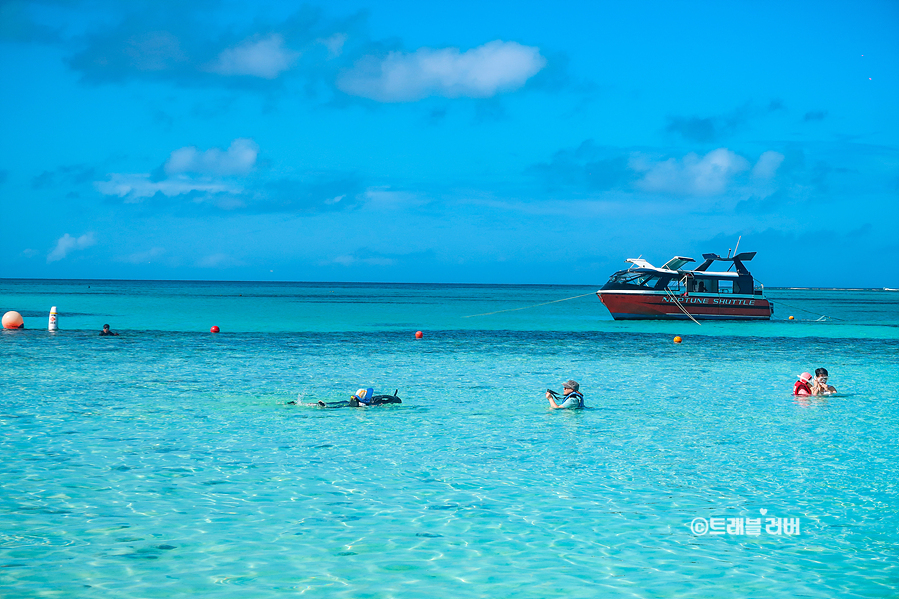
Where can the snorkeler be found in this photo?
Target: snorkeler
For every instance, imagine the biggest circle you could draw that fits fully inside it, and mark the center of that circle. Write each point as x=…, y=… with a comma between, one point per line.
x=106, y=332
x=819, y=385
x=572, y=398
x=367, y=397
x=362, y=398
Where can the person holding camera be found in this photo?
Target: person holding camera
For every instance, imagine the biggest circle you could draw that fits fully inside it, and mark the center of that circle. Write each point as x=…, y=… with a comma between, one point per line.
x=819, y=384
x=571, y=398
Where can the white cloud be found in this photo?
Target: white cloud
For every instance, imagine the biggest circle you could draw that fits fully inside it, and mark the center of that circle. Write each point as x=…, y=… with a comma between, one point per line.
x=238, y=159
x=334, y=44
x=478, y=73
x=692, y=175
x=767, y=165
x=266, y=58
x=137, y=186
x=67, y=244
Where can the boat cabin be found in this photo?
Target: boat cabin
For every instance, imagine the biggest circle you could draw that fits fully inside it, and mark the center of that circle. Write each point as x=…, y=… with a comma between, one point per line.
x=672, y=277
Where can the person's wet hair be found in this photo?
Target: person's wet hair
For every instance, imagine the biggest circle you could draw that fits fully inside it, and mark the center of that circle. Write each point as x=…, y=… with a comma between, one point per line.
x=821, y=372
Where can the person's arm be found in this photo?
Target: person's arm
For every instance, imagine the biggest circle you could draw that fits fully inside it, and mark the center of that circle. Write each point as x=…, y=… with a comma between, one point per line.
x=552, y=401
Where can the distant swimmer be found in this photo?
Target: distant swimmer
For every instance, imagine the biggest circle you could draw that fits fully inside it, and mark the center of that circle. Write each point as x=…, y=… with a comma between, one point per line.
x=571, y=399
x=802, y=386
x=820, y=386
x=106, y=332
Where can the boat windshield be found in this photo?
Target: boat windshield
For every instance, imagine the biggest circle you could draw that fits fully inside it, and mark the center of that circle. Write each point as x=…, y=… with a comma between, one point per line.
x=642, y=279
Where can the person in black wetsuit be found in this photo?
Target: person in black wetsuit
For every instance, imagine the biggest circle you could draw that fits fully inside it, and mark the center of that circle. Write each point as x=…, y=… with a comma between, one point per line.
x=367, y=397
x=362, y=398
x=106, y=332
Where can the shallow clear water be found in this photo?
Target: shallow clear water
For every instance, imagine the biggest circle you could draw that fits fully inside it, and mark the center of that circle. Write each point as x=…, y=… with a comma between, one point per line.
x=167, y=462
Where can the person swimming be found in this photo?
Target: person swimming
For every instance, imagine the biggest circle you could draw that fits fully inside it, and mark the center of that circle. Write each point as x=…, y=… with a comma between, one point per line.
x=106, y=332
x=361, y=398
x=367, y=397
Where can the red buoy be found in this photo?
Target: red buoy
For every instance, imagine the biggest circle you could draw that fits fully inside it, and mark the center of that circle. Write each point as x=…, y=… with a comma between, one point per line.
x=419, y=334
x=13, y=320
x=214, y=329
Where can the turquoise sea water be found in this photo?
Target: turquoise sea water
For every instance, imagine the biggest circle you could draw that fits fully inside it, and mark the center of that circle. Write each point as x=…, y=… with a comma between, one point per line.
x=167, y=462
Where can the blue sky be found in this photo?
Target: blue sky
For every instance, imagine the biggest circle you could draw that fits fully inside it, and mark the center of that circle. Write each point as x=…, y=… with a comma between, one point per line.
x=505, y=142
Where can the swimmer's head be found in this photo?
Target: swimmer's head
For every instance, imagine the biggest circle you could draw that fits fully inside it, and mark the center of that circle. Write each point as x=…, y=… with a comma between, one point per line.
x=805, y=377
x=821, y=373
x=571, y=384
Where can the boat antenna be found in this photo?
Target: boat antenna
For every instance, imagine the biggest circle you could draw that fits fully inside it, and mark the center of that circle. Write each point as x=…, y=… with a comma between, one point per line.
x=736, y=247
x=728, y=252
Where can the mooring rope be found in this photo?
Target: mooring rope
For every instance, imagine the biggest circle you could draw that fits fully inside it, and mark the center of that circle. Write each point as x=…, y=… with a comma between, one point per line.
x=677, y=303
x=534, y=306
x=823, y=316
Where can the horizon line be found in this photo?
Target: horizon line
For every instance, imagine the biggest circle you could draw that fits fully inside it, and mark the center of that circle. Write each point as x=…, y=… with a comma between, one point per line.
x=779, y=288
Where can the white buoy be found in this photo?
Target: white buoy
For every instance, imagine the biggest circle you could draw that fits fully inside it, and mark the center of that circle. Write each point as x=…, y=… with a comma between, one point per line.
x=53, y=324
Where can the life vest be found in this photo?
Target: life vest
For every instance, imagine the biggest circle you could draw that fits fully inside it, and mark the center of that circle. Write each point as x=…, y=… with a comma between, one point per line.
x=800, y=387
x=577, y=396
x=364, y=395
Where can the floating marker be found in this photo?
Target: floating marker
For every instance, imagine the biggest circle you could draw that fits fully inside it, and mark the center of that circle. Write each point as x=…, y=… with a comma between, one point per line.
x=214, y=329
x=791, y=318
x=677, y=339
x=53, y=326
x=13, y=320
x=419, y=334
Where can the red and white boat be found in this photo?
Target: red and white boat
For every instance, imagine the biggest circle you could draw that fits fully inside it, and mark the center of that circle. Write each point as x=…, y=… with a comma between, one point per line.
x=646, y=292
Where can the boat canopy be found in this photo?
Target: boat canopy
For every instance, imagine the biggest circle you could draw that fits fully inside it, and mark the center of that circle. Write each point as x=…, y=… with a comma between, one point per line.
x=676, y=263
x=639, y=263
x=737, y=260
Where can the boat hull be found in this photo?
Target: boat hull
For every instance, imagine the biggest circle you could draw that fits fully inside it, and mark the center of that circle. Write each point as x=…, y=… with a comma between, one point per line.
x=653, y=306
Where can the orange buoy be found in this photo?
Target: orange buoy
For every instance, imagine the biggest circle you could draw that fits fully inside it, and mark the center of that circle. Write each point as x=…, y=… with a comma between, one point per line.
x=13, y=320
x=791, y=318
x=419, y=334
x=214, y=329
x=677, y=339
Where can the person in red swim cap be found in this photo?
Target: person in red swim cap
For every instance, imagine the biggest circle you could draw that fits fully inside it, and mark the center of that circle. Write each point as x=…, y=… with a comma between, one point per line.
x=802, y=387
